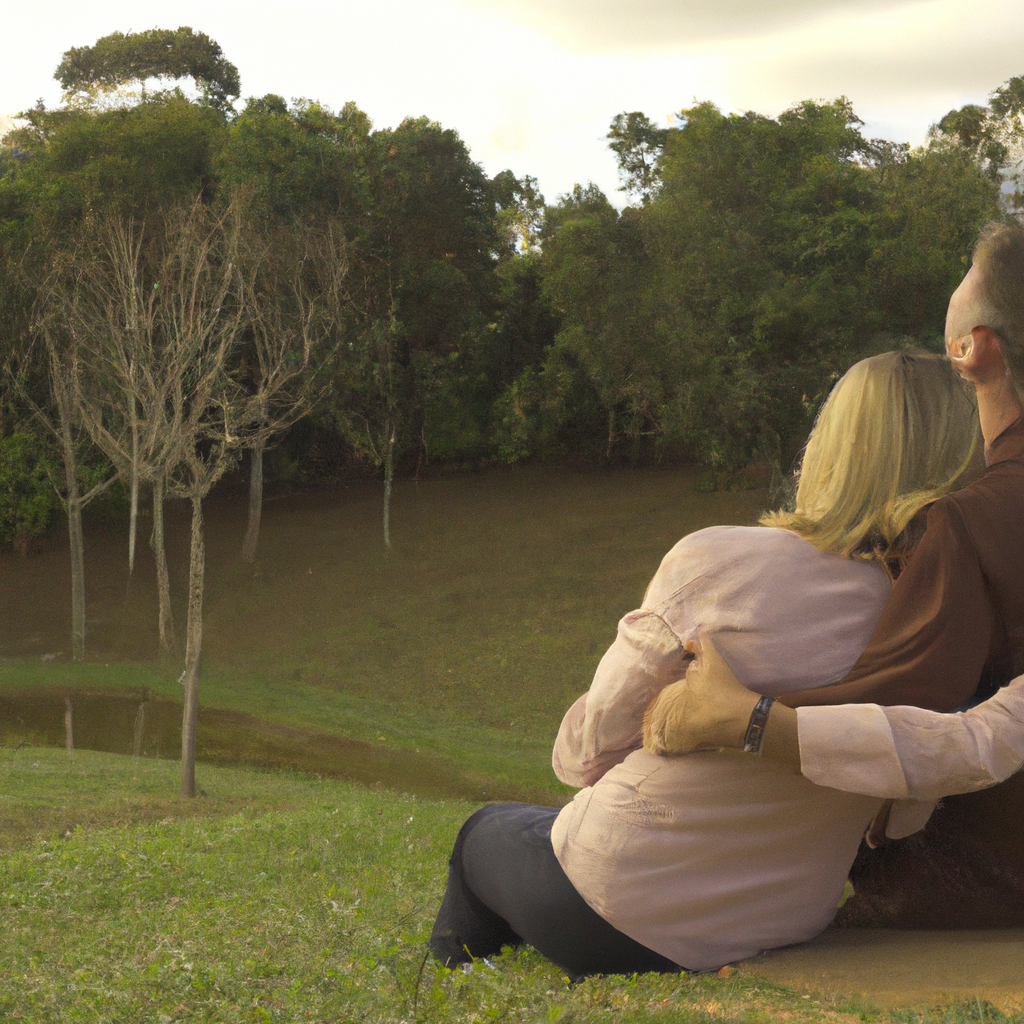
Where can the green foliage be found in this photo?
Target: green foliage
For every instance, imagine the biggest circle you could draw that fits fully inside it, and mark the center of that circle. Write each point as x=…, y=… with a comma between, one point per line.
x=27, y=497
x=300, y=163
x=990, y=136
x=712, y=319
x=764, y=256
x=637, y=144
x=423, y=274
x=118, y=59
x=931, y=205
x=135, y=160
x=520, y=212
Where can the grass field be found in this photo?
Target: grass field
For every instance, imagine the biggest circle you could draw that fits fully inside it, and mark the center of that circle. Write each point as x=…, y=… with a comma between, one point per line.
x=467, y=642
x=280, y=896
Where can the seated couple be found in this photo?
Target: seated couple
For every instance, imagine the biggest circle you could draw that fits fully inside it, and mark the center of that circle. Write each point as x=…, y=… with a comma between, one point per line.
x=875, y=606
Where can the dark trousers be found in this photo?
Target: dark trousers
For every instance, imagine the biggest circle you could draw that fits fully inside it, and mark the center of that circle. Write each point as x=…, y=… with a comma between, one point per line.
x=505, y=887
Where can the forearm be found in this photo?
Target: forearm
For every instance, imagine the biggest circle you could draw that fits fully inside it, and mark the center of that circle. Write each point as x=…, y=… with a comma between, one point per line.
x=604, y=725
x=911, y=753
x=571, y=765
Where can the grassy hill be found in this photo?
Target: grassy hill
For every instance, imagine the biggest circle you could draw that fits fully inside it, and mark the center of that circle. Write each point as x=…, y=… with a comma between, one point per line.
x=273, y=897
x=441, y=669
x=462, y=647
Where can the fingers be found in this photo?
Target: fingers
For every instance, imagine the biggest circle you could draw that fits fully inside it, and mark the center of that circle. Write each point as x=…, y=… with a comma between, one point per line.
x=657, y=716
x=706, y=710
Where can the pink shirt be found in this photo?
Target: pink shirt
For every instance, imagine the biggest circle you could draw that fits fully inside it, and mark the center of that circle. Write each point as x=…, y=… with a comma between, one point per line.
x=713, y=857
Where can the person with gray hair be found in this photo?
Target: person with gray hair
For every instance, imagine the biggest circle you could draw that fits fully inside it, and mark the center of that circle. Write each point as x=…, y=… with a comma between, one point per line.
x=953, y=629
x=956, y=615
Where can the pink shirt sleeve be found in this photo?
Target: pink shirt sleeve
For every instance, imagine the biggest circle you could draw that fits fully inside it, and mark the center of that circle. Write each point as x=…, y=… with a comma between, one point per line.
x=909, y=753
x=606, y=723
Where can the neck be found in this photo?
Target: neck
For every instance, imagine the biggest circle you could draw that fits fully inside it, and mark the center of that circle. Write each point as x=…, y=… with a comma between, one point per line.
x=998, y=407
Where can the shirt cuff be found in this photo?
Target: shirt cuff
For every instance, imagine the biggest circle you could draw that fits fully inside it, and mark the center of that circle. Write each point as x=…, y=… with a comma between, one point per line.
x=850, y=747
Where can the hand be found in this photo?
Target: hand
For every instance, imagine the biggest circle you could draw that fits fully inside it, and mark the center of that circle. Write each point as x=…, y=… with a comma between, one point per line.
x=706, y=710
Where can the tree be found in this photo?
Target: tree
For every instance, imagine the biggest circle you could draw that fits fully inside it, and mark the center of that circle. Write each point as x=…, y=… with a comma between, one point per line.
x=422, y=280
x=520, y=213
x=27, y=499
x=637, y=144
x=134, y=160
x=60, y=418
x=711, y=319
x=293, y=289
x=118, y=59
x=298, y=163
x=300, y=167
x=160, y=314
x=125, y=382
x=992, y=136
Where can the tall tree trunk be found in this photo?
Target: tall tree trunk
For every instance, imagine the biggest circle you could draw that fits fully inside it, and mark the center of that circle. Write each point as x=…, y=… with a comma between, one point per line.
x=389, y=473
x=139, y=732
x=74, y=506
x=77, y=578
x=69, y=739
x=252, y=533
x=611, y=433
x=163, y=579
x=193, y=650
x=134, y=514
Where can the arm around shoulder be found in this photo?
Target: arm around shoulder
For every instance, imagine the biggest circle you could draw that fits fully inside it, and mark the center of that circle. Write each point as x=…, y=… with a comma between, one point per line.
x=911, y=753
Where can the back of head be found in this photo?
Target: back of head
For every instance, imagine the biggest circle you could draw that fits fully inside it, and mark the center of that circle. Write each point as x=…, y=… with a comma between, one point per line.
x=897, y=431
x=999, y=258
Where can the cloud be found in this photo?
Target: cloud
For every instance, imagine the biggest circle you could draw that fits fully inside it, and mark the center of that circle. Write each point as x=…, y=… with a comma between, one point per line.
x=616, y=25
x=928, y=56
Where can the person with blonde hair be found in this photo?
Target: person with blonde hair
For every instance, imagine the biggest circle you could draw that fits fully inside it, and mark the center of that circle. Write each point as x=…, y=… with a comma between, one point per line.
x=953, y=630
x=692, y=862
x=951, y=634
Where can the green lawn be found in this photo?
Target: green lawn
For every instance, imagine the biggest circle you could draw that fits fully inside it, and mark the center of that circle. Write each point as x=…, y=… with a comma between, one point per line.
x=274, y=897
x=280, y=896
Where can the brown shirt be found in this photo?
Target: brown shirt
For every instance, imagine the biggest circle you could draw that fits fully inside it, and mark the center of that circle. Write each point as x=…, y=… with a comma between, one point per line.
x=958, y=607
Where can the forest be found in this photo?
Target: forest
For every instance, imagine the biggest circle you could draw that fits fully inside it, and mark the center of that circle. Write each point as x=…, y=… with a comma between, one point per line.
x=419, y=314
x=193, y=285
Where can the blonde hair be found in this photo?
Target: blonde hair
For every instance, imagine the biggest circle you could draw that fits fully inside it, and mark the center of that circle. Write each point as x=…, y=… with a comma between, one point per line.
x=897, y=432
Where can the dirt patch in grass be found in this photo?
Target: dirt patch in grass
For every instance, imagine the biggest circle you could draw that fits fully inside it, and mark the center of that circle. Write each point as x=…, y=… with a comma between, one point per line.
x=122, y=723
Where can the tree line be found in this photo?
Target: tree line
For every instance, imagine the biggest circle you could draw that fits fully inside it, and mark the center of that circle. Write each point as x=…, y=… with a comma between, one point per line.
x=187, y=281
x=757, y=257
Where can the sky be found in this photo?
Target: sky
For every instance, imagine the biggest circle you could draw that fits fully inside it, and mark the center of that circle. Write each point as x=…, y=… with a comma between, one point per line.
x=532, y=85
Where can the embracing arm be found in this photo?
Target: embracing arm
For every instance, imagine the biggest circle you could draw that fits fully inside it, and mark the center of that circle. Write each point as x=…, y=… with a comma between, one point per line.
x=904, y=753
x=605, y=724
x=911, y=753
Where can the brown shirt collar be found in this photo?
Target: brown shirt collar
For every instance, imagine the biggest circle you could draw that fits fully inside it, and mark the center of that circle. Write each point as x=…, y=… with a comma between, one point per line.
x=1008, y=446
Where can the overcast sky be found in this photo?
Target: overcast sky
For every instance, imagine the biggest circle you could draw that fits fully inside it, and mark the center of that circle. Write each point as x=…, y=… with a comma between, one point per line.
x=533, y=84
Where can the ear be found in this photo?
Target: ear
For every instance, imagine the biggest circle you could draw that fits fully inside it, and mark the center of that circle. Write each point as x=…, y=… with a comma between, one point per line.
x=987, y=352
x=983, y=364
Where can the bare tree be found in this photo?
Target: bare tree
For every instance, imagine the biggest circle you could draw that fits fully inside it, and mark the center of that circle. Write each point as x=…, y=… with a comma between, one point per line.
x=294, y=297
x=127, y=384
x=62, y=420
x=162, y=317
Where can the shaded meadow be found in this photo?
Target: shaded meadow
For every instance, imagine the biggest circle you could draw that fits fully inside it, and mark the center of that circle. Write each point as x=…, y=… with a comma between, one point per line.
x=465, y=643
x=435, y=676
